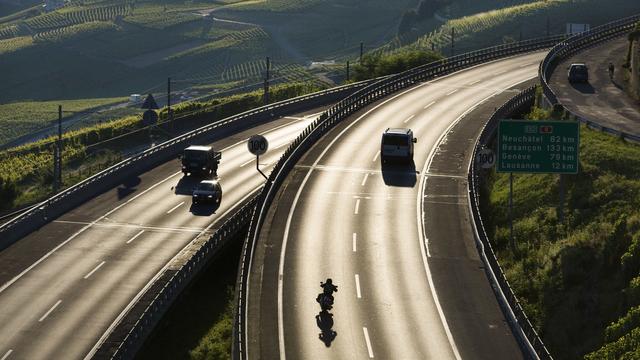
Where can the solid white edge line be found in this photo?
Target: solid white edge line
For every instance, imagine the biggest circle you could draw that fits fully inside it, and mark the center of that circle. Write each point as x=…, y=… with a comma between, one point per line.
x=355, y=211
x=364, y=180
x=304, y=181
x=355, y=239
x=426, y=244
x=175, y=207
x=287, y=228
x=6, y=355
x=135, y=236
x=428, y=105
x=50, y=310
x=104, y=336
x=44, y=257
x=368, y=341
x=358, y=292
x=94, y=270
x=89, y=355
x=420, y=211
x=376, y=157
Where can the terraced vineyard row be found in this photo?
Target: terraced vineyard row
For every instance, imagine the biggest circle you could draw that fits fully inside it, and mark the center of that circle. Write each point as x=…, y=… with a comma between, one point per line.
x=158, y=18
x=74, y=32
x=63, y=18
x=14, y=44
x=12, y=31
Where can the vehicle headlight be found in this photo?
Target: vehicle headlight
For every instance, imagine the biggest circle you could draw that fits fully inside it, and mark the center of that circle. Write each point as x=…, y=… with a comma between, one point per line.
x=210, y=196
x=204, y=168
x=195, y=195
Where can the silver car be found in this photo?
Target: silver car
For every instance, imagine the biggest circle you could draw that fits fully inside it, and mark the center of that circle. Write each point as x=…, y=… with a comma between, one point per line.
x=207, y=191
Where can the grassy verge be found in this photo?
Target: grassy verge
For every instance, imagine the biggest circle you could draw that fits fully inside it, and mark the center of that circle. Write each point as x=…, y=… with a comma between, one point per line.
x=28, y=169
x=577, y=277
x=200, y=324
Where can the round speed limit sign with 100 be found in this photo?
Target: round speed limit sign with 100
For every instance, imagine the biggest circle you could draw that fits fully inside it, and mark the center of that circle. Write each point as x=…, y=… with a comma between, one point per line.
x=258, y=145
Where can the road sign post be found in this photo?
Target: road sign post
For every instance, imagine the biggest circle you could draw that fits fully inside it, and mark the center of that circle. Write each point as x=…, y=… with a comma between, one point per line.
x=258, y=145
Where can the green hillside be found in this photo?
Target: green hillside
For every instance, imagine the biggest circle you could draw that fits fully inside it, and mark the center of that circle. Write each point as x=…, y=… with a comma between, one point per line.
x=578, y=281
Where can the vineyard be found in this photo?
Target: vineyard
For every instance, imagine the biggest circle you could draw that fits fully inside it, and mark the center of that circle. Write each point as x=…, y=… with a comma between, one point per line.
x=157, y=17
x=75, y=32
x=73, y=16
x=8, y=46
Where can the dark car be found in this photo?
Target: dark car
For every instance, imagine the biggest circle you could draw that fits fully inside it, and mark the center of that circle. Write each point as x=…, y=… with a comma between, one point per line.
x=578, y=73
x=207, y=191
x=397, y=145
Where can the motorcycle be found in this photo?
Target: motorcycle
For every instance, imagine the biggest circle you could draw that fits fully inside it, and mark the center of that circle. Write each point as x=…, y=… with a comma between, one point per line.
x=325, y=301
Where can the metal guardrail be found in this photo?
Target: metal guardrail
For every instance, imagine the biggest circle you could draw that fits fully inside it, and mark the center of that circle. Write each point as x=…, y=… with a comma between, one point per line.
x=566, y=49
x=34, y=218
x=326, y=122
x=175, y=283
x=528, y=338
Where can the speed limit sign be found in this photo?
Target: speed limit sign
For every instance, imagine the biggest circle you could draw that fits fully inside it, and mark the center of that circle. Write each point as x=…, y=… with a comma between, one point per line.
x=258, y=145
x=486, y=158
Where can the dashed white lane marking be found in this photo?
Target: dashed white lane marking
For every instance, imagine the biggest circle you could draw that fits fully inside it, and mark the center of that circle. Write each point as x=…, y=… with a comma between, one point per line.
x=135, y=236
x=358, y=293
x=94, y=270
x=451, y=92
x=364, y=180
x=175, y=207
x=355, y=241
x=247, y=162
x=500, y=72
x=368, y=341
x=475, y=82
x=6, y=356
x=429, y=105
x=355, y=211
x=376, y=157
x=50, y=310
x=134, y=226
x=525, y=65
x=409, y=118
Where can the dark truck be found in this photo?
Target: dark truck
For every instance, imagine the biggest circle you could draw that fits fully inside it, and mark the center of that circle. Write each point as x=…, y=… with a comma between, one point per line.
x=200, y=160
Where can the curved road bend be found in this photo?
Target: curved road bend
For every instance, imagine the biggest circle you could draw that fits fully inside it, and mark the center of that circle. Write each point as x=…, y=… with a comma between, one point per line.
x=404, y=293
x=601, y=100
x=65, y=284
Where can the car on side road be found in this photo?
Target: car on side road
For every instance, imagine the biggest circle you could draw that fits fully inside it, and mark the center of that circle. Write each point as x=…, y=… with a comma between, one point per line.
x=207, y=191
x=397, y=145
x=578, y=72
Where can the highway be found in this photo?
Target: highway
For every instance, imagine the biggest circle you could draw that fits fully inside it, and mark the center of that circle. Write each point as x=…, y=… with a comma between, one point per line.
x=408, y=288
x=601, y=99
x=64, y=285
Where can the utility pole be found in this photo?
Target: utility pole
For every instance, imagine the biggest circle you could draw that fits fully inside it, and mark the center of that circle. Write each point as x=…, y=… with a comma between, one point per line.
x=453, y=41
x=169, y=112
x=57, y=155
x=347, y=70
x=361, y=51
x=266, y=83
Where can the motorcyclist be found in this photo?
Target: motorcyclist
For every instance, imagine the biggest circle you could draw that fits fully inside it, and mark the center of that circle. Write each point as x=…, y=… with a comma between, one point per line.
x=328, y=287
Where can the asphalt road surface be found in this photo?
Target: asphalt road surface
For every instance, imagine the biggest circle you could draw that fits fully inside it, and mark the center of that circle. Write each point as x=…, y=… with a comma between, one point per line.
x=410, y=281
x=65, y=284
x=602, y=99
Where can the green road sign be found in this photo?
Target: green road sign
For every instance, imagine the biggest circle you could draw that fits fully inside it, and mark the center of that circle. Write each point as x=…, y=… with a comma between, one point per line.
x=526, y=146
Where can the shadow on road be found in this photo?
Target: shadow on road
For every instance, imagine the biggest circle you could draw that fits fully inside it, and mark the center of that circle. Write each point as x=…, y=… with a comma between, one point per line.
x=204, y=209
x=400, y=175
x=128, y=187
x=186, y=185
x=324, y=320
x=584, y=88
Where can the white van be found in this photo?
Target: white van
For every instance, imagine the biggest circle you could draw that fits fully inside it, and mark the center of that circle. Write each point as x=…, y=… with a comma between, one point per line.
x=397, y=144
